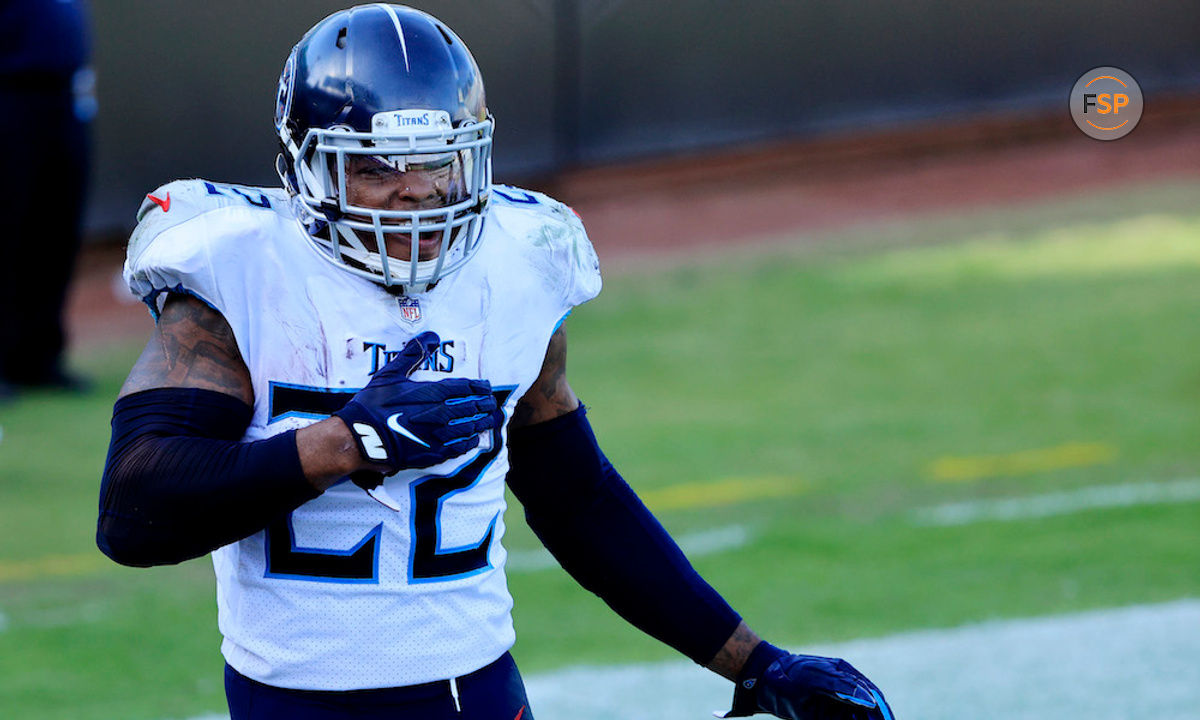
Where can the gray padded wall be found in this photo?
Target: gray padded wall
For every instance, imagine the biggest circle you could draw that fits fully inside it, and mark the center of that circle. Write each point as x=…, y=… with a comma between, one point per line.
x=187, y=89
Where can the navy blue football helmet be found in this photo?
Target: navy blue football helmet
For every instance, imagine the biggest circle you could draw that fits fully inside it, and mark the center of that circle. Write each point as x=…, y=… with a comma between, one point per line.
x=391, y=86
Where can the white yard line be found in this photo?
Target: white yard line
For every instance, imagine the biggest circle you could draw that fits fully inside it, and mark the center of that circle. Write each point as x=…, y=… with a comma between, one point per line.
x=520, y=561
x=1124, y=664
x=710, y=542
x=57, y=617
x=67, y=616
x=1060, y=503
x=1132, y=663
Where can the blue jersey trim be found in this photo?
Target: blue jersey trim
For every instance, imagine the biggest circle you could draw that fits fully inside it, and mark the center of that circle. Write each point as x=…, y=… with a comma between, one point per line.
x=562, y=320
x=151, y=298
x=511, y=194
x=272, y=385
x=375, y=534
x=488, y=536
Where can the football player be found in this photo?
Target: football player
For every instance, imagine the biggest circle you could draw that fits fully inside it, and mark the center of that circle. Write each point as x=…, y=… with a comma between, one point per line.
x=343, y=374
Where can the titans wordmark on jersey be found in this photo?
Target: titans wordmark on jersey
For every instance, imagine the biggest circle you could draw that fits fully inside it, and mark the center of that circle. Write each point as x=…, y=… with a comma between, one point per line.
x=345, y=593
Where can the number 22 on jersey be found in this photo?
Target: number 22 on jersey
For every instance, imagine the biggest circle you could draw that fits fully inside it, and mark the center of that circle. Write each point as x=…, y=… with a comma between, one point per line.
x=360, y=563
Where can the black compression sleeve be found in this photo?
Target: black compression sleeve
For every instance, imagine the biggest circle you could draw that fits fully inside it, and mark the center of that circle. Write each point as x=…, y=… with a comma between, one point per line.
x=178, y=483
x=601, y=533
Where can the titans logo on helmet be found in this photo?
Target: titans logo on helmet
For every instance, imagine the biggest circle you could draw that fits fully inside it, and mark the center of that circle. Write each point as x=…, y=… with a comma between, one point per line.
x=283, y=96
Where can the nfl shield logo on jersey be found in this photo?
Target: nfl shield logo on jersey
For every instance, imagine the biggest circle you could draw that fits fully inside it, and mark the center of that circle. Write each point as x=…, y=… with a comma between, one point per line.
x=410, y=309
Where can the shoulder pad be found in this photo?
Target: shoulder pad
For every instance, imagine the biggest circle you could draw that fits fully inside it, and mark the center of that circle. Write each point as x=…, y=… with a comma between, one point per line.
x=558, y=242
x=186, y=227
x=177, y=202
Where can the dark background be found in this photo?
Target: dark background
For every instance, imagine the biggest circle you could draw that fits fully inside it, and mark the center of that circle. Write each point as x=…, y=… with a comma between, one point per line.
x=187, y=89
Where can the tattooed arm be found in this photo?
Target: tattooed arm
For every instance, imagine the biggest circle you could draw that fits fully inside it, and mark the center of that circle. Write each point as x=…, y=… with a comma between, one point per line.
x=550, y=396
x=733, y=654
x=193, y=347
x=179, y=481
x=548, y=399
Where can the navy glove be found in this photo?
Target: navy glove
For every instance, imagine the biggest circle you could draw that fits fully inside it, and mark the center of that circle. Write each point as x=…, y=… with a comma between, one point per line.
x=401, y=423
x=805, y=687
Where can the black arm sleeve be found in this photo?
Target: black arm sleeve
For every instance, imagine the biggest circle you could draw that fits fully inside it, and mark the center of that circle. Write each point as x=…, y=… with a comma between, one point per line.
x=178, y=483
x=593, y=523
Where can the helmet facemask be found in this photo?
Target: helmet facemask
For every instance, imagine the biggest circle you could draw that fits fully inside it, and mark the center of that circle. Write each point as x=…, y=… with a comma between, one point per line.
x=381, y=241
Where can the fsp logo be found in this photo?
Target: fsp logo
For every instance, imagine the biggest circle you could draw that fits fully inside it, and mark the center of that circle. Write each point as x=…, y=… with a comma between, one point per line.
x=1106, y=103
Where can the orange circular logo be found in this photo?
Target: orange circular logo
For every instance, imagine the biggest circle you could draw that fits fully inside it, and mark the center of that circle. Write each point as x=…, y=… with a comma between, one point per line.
x=1106, y=103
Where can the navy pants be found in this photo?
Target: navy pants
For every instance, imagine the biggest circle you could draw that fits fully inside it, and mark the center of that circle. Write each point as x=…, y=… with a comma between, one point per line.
x=494, y=692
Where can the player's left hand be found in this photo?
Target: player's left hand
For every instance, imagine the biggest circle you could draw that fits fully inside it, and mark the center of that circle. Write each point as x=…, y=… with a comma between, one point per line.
x=805, y=687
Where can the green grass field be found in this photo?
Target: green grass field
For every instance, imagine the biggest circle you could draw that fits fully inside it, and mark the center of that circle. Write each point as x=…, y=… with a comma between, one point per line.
x=815, y=398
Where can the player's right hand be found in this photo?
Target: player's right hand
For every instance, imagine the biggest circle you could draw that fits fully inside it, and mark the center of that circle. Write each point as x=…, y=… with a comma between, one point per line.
x=402, y=423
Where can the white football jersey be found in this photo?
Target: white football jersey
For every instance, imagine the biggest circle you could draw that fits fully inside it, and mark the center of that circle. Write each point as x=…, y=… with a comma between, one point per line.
x=345, y=593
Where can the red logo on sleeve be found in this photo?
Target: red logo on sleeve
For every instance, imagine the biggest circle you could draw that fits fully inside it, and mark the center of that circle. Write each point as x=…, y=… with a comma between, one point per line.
x=164, y=204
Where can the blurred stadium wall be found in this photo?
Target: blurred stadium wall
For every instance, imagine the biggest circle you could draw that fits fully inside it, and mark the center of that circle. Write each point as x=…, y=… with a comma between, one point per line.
x=187, y=89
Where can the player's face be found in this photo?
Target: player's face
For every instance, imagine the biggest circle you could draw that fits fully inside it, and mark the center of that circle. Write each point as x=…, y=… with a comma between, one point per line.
x=412, y=183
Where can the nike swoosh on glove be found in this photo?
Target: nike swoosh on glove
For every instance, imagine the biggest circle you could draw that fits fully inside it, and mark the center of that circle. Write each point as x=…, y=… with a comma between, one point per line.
x=805, y=687
x=402, y=423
